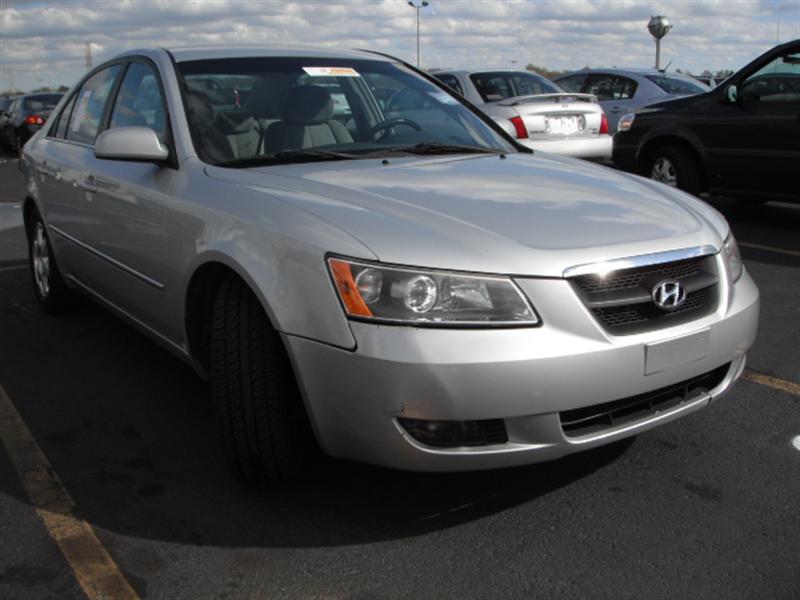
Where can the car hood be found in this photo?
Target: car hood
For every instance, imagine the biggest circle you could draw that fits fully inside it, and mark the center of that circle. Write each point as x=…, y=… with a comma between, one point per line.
x=524, y=214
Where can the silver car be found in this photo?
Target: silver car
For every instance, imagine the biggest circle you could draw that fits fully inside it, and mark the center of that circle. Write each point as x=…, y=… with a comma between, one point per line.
x=536, y=112
x=622, y=91
x=410, y=289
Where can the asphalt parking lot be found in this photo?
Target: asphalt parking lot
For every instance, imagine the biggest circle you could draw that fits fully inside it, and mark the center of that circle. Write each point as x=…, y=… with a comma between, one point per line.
x=705, y=507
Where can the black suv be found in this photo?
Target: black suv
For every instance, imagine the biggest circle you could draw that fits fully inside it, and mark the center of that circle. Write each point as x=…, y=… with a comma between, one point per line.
x=740, y=139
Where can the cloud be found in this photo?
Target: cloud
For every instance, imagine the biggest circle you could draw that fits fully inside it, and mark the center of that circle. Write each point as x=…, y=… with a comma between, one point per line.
x=43, y=42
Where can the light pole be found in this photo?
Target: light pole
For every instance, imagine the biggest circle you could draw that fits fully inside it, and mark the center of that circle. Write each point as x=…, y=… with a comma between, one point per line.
x=417, y=7
x=658, y=27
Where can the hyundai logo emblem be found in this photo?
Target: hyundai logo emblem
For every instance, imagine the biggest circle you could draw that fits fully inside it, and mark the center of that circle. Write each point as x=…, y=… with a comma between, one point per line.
x=669, y=295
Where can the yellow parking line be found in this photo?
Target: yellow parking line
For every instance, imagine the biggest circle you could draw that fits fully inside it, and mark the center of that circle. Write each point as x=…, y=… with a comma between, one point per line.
x=770, y=248
x=93, y=566
x=773, y=382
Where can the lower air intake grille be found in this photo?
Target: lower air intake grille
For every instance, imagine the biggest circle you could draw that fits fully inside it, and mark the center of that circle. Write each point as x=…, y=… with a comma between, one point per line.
x=595, y=419
x=452, y=434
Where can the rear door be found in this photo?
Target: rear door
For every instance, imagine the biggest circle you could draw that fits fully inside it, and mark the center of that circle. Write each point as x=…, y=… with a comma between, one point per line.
x=615, y=93
x=64, y=172
x=754, y=143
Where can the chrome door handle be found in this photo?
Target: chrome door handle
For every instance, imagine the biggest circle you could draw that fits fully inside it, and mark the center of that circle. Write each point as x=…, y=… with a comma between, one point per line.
x=88, y=185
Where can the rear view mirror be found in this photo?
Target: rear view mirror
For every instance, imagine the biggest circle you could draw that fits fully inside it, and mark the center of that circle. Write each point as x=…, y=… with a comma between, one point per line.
x=732, y=94
x=130, y=143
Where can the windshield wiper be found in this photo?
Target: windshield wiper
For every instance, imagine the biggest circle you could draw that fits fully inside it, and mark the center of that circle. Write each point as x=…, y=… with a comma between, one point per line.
x=287, y=156
x=440, y=148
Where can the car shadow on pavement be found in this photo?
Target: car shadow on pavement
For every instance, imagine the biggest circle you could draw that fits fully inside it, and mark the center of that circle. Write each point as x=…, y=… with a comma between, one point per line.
x=130, y=432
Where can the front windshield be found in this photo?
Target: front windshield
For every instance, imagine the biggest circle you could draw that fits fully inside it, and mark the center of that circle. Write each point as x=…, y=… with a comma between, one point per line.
x=251, y=110
x=678, y=86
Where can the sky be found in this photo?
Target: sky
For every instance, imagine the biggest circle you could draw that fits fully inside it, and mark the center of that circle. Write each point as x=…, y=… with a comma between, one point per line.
x=43, y=42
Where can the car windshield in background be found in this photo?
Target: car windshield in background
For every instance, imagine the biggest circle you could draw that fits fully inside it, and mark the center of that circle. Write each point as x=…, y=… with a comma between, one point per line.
x=498, y=86
x=677, y=86
x=42, y=102
x=250, y=111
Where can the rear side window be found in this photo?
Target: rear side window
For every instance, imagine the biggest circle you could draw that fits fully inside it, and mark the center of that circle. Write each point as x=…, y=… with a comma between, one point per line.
x=90, y=105
x=139, y=102
x=611, y=87
x=492, y=86
x=60, y=129
x=450, y=81
x=573, y=83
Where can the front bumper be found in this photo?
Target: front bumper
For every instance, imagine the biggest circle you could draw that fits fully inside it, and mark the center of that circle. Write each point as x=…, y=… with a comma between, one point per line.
x=599, y=147
x=523, y=376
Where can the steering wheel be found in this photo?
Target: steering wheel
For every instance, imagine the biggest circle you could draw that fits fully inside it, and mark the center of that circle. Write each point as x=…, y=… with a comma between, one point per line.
x=389, y=123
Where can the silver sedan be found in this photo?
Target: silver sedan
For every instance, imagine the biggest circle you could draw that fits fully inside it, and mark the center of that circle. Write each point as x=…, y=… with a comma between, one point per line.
x=536, y=112
x=409, y=288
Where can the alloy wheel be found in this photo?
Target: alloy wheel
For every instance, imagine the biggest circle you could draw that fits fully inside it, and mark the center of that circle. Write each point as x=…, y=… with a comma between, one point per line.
x=664, y=171
x=41, y=260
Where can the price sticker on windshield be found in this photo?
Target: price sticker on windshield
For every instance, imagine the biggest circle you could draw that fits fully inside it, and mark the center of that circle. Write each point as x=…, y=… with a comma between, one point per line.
x=331, y=72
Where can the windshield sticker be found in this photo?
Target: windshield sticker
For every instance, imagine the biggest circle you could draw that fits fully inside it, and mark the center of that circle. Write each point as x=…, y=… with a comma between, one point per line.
x=80, y=110
x=443, y=98
x=331, y=72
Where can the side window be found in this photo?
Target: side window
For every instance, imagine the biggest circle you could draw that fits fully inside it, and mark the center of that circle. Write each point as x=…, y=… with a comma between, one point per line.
x=492, y=86
x=572, y=83
x=60, y=130
x=450, y=81
x=139, y=102
x=778, y=81
x=89, y=106
x=611, y=87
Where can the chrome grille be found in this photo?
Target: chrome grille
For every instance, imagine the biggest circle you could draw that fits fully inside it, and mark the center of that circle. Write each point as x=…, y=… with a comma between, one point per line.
x=622, y=301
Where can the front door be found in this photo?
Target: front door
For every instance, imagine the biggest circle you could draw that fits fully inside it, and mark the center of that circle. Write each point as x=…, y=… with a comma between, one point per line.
x=754, y=142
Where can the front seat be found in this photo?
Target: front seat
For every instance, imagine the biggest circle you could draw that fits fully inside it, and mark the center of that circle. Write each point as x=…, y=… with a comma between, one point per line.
x=306, y=122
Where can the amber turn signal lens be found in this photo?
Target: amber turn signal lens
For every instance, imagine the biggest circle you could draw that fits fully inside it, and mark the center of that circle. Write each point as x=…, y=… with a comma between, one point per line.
x=348, y=290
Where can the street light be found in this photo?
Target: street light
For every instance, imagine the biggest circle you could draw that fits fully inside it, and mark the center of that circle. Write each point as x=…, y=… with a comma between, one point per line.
x=417, y=7
x=658, y=26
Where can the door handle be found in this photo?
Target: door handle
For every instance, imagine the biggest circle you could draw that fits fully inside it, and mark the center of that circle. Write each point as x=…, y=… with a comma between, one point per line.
x=88, y=185
x=615, y=109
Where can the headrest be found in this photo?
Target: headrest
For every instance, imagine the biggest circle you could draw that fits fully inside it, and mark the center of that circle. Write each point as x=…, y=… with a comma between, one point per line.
x=306, y=105
x=200, y=105
x=262, y=102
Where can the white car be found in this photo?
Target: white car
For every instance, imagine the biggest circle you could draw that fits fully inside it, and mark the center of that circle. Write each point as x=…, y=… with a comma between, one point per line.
x=536, y=112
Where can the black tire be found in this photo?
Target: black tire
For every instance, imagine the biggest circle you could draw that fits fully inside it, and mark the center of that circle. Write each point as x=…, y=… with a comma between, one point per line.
x=264, y=426
x=51, y=292
x=676, y=167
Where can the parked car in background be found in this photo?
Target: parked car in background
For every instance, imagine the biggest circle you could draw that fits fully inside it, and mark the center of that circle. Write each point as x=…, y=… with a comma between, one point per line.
x=403, y=286
x=622, y=91
x=535, y=111
x=5, y=102
x=740, y=139
x=25, y=116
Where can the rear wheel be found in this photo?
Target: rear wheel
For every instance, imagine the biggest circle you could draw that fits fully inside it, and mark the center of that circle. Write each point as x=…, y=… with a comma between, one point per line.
x=263, y=422
x=675, y=167
x=52, y=293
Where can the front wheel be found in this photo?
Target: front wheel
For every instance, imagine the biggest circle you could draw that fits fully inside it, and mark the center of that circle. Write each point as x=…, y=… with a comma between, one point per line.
x=675, y=167
x=264, y=427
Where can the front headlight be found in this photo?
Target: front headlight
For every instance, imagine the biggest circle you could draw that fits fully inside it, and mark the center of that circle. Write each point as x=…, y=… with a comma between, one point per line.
x=625, y=122
x=373, y=292
x=733, y=258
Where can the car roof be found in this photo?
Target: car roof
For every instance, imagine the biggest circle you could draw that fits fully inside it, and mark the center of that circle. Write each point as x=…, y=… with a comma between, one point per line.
x=481, y=71
x=190, y=53
x=631, y=71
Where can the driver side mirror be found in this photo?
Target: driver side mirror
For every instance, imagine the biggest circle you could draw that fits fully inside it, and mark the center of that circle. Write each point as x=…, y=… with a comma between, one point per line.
x=732, y=94
x=130, y=143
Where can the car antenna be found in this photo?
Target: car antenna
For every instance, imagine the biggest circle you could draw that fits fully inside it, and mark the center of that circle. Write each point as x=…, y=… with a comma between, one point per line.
x=664, y=70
